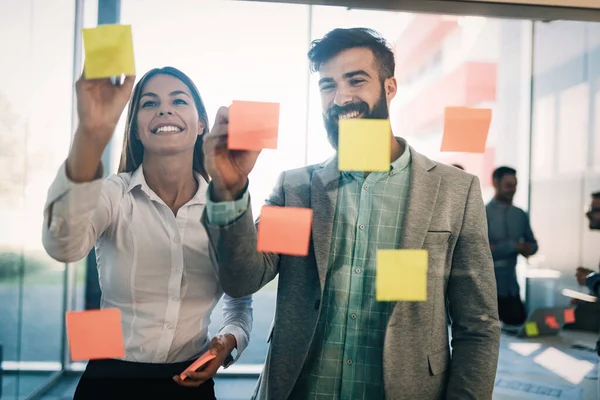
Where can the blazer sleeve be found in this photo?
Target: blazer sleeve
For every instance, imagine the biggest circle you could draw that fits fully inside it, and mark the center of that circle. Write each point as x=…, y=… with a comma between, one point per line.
x=243, y=270
x=473, y=307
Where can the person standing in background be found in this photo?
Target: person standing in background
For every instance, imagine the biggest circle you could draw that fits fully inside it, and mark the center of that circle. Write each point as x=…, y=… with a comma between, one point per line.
x=510, y=235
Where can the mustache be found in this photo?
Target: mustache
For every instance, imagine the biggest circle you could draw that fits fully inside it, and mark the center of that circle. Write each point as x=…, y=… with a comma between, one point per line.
x=335, y=111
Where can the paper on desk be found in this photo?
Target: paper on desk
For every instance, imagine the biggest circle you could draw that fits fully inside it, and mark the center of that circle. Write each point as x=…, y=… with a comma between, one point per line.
x=513, y=388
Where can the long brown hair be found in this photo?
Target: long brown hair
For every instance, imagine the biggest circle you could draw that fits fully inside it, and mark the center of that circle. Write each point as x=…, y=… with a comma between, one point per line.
x=133, y=149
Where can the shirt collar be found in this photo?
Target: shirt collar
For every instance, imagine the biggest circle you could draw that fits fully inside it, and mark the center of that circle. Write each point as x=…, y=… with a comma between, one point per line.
x=139, y=180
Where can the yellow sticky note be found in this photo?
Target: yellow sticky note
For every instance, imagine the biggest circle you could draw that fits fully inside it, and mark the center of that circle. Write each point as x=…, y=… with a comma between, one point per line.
x=401, y=275
x=108, y=51
x=364, y=145
x=531, y=329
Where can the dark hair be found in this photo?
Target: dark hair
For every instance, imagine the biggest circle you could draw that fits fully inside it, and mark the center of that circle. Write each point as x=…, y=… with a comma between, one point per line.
x=338, y=40
x=500, y=172
x=133, y=149
x=596, y=195
x=458, y=166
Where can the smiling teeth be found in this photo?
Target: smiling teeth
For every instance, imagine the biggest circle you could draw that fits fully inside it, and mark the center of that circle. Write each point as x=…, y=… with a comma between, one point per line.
x=351, y=114
x=169, y=128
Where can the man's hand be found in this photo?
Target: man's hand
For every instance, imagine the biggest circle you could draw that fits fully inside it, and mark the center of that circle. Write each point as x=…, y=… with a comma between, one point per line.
x=581, y=274
x=221, y=346
x=524, y=249
x=228, y=169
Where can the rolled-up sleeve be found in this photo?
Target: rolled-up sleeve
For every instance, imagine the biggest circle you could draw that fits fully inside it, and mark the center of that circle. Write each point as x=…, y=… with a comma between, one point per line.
x=237, y=321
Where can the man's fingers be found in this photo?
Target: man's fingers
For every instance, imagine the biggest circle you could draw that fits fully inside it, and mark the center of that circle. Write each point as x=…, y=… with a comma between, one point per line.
x=222, y=115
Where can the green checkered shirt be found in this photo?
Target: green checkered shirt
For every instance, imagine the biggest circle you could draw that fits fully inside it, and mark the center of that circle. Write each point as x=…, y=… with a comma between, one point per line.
x=346, y=356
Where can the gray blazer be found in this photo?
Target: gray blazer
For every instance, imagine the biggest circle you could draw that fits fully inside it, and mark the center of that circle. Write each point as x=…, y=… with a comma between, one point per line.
x=445, y=215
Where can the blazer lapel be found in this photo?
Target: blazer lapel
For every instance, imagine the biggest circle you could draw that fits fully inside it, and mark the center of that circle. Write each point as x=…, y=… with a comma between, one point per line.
x=422, y=197
x=323, y=200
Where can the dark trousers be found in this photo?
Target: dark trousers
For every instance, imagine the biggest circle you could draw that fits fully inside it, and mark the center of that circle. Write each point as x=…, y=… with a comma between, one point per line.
x=116, y=379
x=511, y=310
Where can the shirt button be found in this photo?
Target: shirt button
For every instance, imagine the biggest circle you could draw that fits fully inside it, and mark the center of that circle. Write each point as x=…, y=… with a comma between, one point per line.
x=175, y=298
x=170, y=326
x=357, y=270
x=361, y=227
x=353, y=316
x=366, y=187
x=349, y=361
x=176, y=239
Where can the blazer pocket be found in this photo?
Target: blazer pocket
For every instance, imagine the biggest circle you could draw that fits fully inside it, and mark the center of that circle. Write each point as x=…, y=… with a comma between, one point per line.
x=436, y=238
x=439, y=361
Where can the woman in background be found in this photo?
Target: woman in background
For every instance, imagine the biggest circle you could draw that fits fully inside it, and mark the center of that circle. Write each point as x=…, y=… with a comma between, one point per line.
x=154, y=260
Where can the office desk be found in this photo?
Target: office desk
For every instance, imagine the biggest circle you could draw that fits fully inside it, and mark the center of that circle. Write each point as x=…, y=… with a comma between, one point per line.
x=548, y=368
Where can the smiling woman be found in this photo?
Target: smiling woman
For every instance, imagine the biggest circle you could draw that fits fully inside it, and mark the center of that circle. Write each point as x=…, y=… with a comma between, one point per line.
x=152, y=252
x=143, y=107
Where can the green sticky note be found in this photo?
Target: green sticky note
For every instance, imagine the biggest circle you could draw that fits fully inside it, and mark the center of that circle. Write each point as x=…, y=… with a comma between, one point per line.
x=531, y=329
x=364, y=145
x=401, y=275
x=108, y=51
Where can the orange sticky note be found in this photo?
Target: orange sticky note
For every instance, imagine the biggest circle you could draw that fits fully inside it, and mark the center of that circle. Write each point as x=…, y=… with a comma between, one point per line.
x=284, y=230
x=203, y=359
x=253, y=125
x=466, y=129
x=569, y=315
x=95, y=334
x=401, y=275
x=551, y=322
x=531, y=329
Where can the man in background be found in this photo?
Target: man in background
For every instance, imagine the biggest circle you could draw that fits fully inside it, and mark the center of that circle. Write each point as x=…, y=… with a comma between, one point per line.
x=588, y=314
x=510, y=235
x=587, y=277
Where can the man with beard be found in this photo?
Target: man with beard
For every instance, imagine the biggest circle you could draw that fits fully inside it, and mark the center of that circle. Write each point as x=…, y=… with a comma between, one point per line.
x=331, y=338
x=510, y=235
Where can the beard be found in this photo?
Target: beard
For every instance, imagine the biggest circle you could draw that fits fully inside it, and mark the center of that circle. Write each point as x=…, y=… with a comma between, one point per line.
x=331, y=119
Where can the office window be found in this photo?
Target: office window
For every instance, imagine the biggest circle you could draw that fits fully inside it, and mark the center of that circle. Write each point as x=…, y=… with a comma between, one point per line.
x=35, y=125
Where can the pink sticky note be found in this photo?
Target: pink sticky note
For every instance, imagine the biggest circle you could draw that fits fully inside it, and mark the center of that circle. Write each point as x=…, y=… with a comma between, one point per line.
x=253, y=125
x=569, y=315
x=284, y=230
x=95, y=334
x=551, y=322
x=203, y=359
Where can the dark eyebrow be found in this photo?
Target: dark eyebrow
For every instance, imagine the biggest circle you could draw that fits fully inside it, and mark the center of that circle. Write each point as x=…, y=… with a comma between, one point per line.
x=347, y=75
x=177, y=92
x=174, y=93
x=352, y=74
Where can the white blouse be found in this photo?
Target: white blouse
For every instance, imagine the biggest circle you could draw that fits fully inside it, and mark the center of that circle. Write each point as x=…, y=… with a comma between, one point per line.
x=152, y=265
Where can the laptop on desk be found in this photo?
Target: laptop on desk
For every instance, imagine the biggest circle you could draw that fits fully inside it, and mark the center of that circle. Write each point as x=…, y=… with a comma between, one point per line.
x=543, y=321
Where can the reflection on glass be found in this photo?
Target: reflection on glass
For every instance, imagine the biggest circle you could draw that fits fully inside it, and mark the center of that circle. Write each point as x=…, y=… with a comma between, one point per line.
x=35, y=122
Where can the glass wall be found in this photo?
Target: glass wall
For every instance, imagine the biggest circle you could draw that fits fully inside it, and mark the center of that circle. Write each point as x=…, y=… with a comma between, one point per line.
x=35, y=125
x=565, y=162
x=257, y=51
